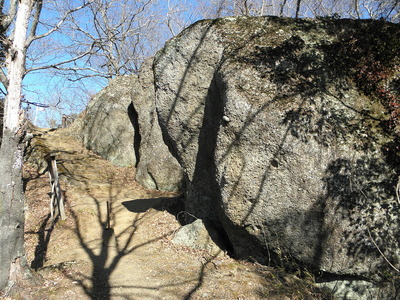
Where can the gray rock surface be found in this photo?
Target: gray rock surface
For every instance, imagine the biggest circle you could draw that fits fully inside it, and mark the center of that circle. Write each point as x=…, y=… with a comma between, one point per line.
x=184, y=79
x=121, y=125
x=107, y=127
x=156, y=167
x=279, y=145
x=196, y=236
x=354, y=290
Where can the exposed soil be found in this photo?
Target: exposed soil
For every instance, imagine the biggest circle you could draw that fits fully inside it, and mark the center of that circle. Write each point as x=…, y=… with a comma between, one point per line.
x=81, y=258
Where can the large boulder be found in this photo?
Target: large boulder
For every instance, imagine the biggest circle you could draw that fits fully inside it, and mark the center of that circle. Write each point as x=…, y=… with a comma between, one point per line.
x=156, y=167
x=108, y=124
x=283, y=138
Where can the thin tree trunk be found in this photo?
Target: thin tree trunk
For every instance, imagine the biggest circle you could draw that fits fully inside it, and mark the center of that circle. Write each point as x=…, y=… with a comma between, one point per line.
x=282, y=8
x=246, y=8
x=12, y=254
x=297, y=8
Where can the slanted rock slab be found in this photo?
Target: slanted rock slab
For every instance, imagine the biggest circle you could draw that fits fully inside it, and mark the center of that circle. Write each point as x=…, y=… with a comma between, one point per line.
x=156, y=167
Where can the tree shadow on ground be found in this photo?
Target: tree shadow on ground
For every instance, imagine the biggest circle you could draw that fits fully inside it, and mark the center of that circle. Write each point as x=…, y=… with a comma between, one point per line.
x=117, y=245
x=44, y=235
x=114, y=246
x=45, y=230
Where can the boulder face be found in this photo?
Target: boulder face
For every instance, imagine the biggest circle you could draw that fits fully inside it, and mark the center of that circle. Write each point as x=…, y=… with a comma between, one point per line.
x=156, y=167
x=284, y=142
x=121, y=124
x=108, y=125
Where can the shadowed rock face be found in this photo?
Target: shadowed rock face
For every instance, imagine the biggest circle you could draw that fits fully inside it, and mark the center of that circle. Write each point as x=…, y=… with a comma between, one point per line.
x=281, y=144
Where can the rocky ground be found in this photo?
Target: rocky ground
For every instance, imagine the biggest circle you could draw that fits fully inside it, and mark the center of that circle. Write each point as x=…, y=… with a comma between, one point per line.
x=132, y=258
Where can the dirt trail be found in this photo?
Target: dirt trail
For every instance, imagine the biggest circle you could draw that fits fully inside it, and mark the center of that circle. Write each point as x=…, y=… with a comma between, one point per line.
x=80, y=258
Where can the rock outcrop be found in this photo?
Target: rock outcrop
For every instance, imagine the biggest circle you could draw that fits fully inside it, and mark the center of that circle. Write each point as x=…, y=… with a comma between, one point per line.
x=282, y=141
x=284, y=130
x=107, y=127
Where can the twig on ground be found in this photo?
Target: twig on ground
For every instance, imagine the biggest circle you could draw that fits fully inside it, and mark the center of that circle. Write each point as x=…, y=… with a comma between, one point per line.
x=383, y=255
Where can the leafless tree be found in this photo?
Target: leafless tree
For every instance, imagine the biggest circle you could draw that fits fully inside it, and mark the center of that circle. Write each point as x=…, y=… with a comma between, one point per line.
x=357, y=9
x=120, y=35
x=214, y=8
x=20, y=21
x=297, y=8
x=242, y=7
x=179, y=15
x=223, y=8
x=387, y=9
x=113, y=37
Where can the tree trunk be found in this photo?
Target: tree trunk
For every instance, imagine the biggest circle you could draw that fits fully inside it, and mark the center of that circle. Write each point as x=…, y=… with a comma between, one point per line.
x=282, y=8
x=11, y=209
x=297, y=8
x=12, y=259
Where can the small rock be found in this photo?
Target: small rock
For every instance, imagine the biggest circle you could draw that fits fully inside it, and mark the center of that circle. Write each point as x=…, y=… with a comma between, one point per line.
x=196, y=236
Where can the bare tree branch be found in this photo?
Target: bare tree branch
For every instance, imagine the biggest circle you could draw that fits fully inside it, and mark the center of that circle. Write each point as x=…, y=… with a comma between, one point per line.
x=55, y=65
x=297, y=8
x=34, y=37
x=8, y=17
x=4, y=79
x=36, y=16
x=282, y=7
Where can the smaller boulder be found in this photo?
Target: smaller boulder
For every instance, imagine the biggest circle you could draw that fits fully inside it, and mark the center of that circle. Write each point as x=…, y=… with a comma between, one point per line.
x=196, y=236
x=107, y=128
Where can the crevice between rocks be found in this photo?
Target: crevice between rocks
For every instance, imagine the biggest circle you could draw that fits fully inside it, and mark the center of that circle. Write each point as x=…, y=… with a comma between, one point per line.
x=133, y=116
